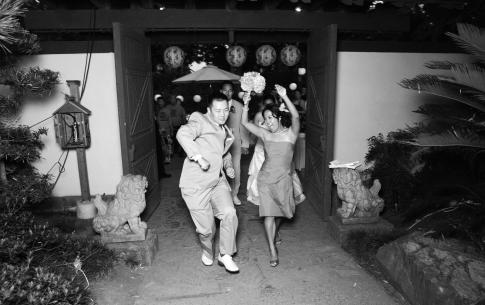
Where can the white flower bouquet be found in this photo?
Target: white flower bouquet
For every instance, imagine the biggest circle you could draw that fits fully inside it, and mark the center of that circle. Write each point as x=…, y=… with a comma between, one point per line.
x=253, y=81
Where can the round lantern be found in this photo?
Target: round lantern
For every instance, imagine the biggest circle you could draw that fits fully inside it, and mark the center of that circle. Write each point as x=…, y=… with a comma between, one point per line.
x=292, y=86
x=173, y=57
x=265, y=55
x=197, y=98
x=236, y=56
x=290, y=55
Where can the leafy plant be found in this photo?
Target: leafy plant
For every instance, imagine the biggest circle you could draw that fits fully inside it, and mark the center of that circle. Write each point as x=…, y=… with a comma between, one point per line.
x=38, y=263
x=41, y=265
x=395, y=165
x=459, y=118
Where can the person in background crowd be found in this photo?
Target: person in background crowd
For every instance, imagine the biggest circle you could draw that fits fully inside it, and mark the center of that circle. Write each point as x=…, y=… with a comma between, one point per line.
x=299, y=102
x=241, y=138
x=165, y=132
x=258, y=154
x=178, y=117
x=206, y=140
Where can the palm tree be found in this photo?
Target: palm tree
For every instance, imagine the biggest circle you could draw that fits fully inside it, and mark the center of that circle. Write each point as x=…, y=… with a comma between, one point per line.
x=459, y=118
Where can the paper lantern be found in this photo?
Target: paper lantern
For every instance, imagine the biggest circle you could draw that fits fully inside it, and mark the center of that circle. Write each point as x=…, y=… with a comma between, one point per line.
x=265, y=55
x=292, y=86
x=236, y=56
x=173, y=57
x=301, y=71
x=197, y=98
x=290, y=55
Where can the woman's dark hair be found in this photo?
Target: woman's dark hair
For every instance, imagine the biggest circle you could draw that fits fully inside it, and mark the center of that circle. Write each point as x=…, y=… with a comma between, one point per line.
x=283, y=115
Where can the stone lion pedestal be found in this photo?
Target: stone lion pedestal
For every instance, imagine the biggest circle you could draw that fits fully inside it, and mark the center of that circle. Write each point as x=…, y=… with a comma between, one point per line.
x=119, y=224
x=360, y=205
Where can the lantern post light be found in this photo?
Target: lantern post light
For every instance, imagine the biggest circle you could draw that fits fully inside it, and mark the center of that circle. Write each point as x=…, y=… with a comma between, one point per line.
x=71, y=126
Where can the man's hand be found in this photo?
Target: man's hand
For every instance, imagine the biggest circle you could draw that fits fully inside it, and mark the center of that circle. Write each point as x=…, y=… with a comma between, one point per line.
x=230, y=172
x=244, y=150
x=203, y=163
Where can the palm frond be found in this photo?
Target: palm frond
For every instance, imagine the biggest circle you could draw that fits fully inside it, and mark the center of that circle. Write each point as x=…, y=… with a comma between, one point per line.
x=469, y=75
x=453, y=114
x=471, y=39
x=440, y=65
x=432, y=84
x=448, y=139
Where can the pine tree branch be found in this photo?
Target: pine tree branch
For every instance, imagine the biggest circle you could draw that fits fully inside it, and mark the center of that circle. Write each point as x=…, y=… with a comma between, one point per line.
x=10, y=12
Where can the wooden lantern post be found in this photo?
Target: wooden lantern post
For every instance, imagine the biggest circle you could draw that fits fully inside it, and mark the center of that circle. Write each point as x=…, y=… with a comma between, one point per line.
x=81, y=152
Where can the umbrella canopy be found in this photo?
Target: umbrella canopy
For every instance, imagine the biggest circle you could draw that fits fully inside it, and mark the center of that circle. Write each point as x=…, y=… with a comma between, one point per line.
x=207, y=74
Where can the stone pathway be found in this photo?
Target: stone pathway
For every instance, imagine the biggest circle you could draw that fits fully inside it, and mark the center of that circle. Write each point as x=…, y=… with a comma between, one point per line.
x=313, y=268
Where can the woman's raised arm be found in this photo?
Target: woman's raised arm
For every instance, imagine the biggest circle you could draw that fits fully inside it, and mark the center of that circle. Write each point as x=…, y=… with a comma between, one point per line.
x=254, y=129
x=295, y=116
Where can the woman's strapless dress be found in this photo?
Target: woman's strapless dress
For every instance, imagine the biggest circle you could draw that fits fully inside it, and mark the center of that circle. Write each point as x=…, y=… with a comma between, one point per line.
x=275, y=181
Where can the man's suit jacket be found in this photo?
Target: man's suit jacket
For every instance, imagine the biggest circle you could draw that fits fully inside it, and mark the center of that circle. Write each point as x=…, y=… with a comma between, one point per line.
x=202, y=136
x=241, y=134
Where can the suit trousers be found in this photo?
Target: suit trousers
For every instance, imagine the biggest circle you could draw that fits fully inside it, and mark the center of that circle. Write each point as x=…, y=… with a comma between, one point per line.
x=206, y=204
x=236, y=164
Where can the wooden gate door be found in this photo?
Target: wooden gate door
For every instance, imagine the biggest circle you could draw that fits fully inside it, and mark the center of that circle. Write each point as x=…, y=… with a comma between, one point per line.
x=135, y=109
x=321, y=87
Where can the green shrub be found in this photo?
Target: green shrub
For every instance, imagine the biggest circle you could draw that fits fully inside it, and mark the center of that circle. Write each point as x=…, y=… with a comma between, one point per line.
x=41, y=265
x=25, y=284
x=395, y=165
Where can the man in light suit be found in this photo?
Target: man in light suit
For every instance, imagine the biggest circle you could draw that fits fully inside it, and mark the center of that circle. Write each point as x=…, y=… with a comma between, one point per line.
x=206, y=140
x=241, y=138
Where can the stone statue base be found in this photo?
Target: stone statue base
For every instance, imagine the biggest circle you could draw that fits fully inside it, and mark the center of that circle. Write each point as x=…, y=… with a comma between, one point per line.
x=123, y=237
x=340, y=232
x=357, y=220
x=140, y=252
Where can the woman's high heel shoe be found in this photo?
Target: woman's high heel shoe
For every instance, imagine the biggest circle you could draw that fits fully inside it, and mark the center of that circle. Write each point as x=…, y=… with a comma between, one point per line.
x=277, y=239
x=274, y=262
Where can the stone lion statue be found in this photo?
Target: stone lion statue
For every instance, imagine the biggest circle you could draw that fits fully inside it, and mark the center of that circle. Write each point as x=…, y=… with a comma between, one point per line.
x=357, y=200
x=122, y=215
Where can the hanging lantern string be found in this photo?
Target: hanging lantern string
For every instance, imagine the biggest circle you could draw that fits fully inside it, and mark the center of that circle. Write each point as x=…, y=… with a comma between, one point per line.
x=62, y=167
x=40, y=122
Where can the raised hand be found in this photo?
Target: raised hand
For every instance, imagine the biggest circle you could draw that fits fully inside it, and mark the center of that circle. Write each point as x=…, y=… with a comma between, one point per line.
x=280, y=90
x=246, y=97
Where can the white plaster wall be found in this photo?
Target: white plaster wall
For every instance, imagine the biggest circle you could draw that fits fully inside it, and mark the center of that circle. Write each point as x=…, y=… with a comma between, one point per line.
x=369, y=99
x=104, y=156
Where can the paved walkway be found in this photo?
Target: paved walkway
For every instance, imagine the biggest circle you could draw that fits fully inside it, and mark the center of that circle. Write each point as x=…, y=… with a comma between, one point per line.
x=313, y=269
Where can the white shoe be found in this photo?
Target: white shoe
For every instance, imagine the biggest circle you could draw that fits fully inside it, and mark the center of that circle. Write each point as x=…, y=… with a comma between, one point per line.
x=236, y=200
x=206, y=261
x=228, y=263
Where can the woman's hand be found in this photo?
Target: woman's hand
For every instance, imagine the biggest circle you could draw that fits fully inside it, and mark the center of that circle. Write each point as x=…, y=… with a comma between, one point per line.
x=280, y=90
x=246, y=98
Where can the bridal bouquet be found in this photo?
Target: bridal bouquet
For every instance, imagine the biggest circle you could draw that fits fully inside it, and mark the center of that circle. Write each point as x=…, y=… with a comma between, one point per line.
x=253, y=81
